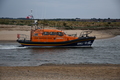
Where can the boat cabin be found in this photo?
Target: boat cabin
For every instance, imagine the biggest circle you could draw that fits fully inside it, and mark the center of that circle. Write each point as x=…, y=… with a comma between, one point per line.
x=50, y=35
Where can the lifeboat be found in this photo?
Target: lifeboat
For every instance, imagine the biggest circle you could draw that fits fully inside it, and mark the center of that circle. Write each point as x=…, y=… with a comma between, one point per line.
x=55, y=38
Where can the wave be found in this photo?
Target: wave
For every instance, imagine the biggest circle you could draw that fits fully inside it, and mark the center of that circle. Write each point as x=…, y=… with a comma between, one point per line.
x=11, y=47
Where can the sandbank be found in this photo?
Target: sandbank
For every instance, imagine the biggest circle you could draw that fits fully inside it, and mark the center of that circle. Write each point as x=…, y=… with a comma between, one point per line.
x=9, y=32
x=62, y=72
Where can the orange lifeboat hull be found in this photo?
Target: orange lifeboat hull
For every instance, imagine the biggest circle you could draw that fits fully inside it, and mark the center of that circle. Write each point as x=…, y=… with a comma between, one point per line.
x=80, y=42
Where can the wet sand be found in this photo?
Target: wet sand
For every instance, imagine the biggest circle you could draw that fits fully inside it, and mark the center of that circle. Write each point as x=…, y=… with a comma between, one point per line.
x=62, y=72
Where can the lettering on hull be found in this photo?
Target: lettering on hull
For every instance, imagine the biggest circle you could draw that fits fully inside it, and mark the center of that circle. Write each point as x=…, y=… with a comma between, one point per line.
x=85, y=43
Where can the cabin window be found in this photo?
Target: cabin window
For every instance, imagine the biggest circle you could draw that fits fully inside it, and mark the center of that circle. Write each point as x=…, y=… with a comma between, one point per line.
x=36, y=34
x=45, y=33
x=60, y=33
x=52, y=33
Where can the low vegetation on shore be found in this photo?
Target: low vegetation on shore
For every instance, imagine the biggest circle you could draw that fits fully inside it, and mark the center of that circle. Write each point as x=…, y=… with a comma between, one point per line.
x=67, y=24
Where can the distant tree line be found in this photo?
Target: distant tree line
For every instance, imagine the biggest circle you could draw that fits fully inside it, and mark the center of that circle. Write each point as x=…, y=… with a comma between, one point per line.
x=73, y=19
x=87, y=20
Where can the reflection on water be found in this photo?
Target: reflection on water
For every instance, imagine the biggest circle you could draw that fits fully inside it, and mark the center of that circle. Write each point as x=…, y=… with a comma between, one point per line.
x=105, y=51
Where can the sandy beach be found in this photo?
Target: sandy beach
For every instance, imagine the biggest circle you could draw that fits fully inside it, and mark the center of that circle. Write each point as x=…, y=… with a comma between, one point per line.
x=58, y=72
x=9, y=32
x=62, y=72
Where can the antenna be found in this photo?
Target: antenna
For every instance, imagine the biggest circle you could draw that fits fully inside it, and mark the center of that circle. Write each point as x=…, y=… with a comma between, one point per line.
x=32, y=14
x=31, y=11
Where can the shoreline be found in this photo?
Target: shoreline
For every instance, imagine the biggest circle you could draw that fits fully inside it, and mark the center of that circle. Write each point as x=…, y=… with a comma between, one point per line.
x=9, y=32
x=99, y=34
x=62, y=72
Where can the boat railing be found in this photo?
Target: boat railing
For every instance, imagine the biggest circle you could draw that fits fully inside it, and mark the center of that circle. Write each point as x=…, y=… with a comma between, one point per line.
x=85, y=33
x=22, y=37
x=74, y=35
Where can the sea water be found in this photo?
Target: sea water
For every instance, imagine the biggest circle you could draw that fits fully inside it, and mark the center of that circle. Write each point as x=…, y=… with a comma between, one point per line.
x=103, y=51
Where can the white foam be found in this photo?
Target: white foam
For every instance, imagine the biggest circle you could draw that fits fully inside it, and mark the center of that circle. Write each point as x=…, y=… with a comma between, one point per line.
x=11, y=47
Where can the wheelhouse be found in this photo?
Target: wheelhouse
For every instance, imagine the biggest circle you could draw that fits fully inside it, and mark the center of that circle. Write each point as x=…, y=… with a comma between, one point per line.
x=47, y=35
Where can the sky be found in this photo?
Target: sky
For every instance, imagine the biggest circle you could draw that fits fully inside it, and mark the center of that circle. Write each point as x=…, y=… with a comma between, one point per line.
x=52, y=9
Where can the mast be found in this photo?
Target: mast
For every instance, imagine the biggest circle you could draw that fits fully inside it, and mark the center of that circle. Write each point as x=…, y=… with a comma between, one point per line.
x=31, y=26
x=35, y=24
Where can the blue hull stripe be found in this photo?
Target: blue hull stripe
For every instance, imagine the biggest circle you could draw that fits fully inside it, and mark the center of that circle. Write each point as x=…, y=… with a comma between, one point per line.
x=78, y=42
